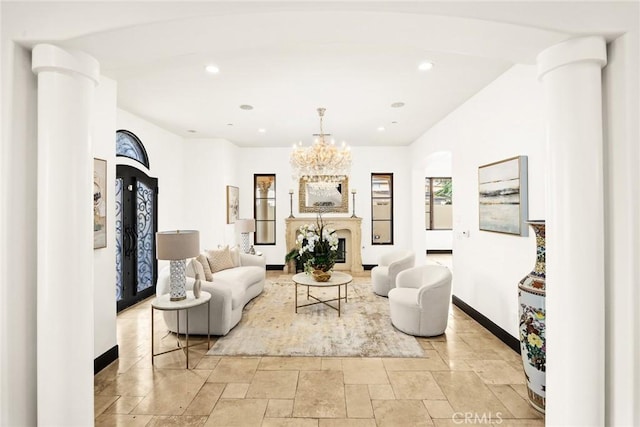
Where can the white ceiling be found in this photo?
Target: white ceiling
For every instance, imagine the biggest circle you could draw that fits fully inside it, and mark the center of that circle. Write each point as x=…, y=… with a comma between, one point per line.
x=287, y=59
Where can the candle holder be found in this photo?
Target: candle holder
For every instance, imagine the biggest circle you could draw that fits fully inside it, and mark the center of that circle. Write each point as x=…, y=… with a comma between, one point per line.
x=353, y=194
x=291, y=204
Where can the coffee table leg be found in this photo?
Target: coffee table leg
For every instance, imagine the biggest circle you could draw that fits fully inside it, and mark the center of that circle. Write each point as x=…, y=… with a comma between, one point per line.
x=187, y=334
x=296, y=299
x=152, y=350
x=339, y=300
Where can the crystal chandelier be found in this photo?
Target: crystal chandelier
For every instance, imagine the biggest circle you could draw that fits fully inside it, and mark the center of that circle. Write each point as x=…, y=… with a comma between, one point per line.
x=323, y=164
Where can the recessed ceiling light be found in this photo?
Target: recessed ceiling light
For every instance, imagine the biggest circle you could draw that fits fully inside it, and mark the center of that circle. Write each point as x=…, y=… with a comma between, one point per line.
x=397, y=105
x=262, y=130
x=425, y=66
x=394, y=123
x=191, y=131
x=246, y=107
x=212, y=69
x=229, y=124
x=381, y=129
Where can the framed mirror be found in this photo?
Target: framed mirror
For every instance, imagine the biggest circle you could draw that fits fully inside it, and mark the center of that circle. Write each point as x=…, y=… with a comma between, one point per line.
x=313, y=198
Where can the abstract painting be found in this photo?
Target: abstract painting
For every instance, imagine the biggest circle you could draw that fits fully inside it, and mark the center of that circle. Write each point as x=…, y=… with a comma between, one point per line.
x=503, y=196
x=99, y=203
x=233, y=204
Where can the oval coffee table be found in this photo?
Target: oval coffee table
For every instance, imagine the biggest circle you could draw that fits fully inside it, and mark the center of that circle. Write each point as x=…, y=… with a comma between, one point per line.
x=338, y=279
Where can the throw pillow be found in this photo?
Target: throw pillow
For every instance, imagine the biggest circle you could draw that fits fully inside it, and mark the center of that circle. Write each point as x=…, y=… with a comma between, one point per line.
x=219, y=259
x=235, y=255
x=208, y=274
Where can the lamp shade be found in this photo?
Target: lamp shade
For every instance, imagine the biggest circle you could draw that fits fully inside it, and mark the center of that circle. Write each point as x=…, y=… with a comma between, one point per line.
x=177, y=244
x=246, y=225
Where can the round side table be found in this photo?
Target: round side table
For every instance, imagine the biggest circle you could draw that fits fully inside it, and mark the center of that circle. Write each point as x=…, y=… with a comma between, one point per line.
x=164, y=303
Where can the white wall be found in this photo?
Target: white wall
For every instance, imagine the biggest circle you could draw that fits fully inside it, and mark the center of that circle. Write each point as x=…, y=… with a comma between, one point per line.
x=622, y=230
x=366, y=160
x=209, y=166
x=502, y=120
x=104, y=260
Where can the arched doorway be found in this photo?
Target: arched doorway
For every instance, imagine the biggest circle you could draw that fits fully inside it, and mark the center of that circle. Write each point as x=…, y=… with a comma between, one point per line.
x=136, y=224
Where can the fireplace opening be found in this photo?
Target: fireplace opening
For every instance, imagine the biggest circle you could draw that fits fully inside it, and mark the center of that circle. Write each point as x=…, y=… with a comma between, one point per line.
x=342, y=251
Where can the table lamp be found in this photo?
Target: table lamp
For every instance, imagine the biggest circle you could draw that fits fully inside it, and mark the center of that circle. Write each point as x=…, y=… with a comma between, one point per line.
x=176, y=246
x=244, y=227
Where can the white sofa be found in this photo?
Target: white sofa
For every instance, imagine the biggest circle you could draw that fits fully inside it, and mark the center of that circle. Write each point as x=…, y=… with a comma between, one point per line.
x=383, y=276
x=230, y=291
x=419, y=303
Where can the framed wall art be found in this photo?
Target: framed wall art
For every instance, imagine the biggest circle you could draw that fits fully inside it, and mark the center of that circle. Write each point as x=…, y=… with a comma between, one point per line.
x=233, y=204
x=99, y=203
x=503, y=196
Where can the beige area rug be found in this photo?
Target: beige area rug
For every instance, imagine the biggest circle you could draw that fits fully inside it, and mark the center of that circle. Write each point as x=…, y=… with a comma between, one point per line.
x=270, y=326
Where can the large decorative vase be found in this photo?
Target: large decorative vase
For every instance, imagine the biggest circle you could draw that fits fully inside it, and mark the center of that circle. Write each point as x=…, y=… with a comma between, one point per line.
x=533, y=341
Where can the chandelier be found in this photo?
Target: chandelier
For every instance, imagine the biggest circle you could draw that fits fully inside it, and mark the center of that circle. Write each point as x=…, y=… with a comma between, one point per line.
x=322, y=164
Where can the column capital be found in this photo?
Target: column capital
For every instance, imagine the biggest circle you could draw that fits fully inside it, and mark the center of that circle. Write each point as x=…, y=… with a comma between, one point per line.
x=48, y=57
x=583, y=49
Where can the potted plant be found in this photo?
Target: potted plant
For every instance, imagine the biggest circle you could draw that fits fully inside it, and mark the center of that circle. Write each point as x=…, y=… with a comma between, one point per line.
x=316, y=249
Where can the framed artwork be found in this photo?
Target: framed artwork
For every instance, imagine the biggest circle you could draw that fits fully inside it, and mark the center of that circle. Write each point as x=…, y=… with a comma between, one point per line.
x=99, y=203
x=233, y=203
x=503, y=196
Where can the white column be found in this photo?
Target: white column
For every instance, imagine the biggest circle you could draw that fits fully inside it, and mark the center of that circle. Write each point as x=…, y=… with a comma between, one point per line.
x=571, y=75
x=66, y=82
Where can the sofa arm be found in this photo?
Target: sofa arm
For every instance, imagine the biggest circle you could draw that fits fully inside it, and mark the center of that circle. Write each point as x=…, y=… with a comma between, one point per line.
x=399, y=265
x=255, y=260
x=164, y=281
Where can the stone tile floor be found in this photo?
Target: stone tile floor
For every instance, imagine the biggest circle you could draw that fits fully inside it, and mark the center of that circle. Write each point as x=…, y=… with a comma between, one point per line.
x=467, y=376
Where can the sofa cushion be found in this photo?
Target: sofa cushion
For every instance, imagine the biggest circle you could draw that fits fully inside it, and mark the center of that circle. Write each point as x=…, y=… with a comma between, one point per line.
x=235, y=255
x=208, y=274
x=241, y=277
x=219, y=259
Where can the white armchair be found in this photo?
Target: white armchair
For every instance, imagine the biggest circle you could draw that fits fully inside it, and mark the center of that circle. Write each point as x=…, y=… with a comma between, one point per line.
x=383, y=276
x=420, y=302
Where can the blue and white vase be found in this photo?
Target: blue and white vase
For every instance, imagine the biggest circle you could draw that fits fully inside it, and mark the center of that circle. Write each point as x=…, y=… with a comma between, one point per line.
x=533, y=341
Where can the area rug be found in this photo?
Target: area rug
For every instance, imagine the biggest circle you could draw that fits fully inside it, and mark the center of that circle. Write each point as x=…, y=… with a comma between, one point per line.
x=270, y=326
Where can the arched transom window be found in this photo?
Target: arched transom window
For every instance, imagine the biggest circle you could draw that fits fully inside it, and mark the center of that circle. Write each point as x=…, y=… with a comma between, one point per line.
x=129, y=145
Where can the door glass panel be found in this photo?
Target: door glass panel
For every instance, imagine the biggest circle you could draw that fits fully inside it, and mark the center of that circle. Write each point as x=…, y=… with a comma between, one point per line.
x=265, y=231
x=382, y=209
x=144, y=230
x=438, y=204
x=265, y=210
x=118, y=199
x=381, y=231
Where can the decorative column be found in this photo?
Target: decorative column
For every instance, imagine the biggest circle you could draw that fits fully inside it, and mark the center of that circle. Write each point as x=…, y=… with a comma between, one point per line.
x=571, y=76
x=66, y=82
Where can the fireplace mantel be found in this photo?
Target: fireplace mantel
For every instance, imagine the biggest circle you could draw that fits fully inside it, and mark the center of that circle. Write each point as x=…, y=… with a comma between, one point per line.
x=346, y=227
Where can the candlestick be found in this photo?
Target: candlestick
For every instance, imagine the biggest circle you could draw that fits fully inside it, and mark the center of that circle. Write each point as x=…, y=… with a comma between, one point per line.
x=291, y=204
x=353, y=193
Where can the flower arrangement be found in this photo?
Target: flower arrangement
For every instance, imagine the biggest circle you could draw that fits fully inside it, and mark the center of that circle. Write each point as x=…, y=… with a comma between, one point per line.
x=316, y=247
